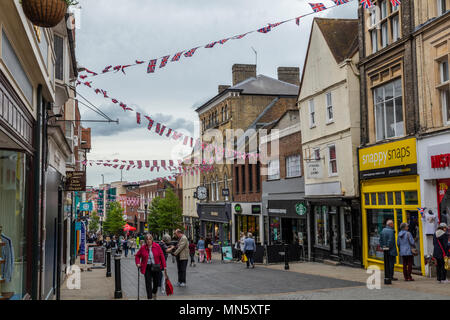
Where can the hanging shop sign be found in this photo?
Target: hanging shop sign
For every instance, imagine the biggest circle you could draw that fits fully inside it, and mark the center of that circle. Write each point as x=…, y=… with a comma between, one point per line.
x=86, y=206
x=225, y=192
x=256, y=209
x=75, y=181
x=238, y=208
x=300, y=209
x=393, y=159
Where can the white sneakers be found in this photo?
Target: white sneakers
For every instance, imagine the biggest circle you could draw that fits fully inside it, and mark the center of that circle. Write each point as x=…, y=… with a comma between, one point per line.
x=444, y=281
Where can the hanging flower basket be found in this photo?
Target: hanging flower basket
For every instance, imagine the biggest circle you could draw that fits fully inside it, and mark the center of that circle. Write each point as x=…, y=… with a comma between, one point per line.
x=45, y=13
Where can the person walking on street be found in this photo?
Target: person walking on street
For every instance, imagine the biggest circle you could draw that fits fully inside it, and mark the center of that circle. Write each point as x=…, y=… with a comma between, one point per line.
x=182, y=254
x=241, y=245
x=387, y=240
x=150, y=260
x=192, y=252
x=441, y=250
x=249, y=250
x=201, y=249
x=125, y=246
x=132, y=245
x=138, y=242
x=208, y=250
x=406, y=246
x=164, y=244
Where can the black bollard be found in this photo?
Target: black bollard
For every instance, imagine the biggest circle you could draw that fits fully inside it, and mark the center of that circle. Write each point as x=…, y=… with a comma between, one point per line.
x=387, y=278
x=118, y=291
x=108, y=263
x=286, y=257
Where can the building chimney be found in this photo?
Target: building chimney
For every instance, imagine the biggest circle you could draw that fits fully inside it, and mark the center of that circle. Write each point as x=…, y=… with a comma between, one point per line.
x=289, y=74
x=242, y=72
x=222, y=88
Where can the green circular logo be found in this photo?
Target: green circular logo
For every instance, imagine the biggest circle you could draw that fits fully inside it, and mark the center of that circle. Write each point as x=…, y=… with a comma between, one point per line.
x=238, y=208
x=300, y=208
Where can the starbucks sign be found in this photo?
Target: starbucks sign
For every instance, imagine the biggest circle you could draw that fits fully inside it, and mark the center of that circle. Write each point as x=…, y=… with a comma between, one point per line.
x=300, y=208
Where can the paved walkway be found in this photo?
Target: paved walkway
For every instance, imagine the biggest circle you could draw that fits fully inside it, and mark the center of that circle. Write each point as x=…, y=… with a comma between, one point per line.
x=233, y=281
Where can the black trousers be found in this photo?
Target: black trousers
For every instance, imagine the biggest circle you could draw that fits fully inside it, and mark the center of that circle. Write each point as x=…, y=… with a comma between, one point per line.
x=192, y=258
x=440, y=269
x=182, y=266
x=249, y=255
x=391, y=264
x=151, y=278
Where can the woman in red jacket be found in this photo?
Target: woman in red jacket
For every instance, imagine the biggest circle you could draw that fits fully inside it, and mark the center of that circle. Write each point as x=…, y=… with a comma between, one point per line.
x=151, y=262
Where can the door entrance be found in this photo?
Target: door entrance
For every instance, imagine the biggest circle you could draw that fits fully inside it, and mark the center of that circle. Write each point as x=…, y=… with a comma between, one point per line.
x=334, y=233
x=412, y=218
x=286, y=230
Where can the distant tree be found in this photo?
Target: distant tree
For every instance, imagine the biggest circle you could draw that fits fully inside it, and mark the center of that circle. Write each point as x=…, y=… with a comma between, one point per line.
x=153, y=214
x=94, y=223
x=170, y=215
x=114, y=222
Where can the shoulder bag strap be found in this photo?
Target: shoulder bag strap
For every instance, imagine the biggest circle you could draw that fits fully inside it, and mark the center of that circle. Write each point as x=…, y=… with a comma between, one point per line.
x=440, y=245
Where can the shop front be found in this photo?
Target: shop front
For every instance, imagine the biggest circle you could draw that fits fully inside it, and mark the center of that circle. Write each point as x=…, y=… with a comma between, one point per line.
x=335, y=230
x=434, y=171
x=215, y=222
x=247, y=217
x=390, y=189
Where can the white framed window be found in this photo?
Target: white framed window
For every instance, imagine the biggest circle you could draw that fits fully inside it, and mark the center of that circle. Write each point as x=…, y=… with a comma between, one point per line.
x=443, y=70
x=332, y=161
x=329, y=108
x=312, y=114
x=384, y=34
x=316, y=154
x=389, y=110
x=293, y=166
x=441, y=7
x=395, y=28
x=445, y=98
x=274, y=169
x=383, y=9
x=374, y=36
x=321, y=225
x=346, y=229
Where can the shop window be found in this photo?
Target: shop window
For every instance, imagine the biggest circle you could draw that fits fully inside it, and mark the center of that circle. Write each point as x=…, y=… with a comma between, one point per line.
x=13, y=221
x=390, y=197
x=321, y=225
x=384, y=34
x=275, y=230
x=395, y=28
x=346, y=229
x=444, y=89
x=398, y=198
x=316, y=154
x=59, y=53
x=367, y=199
x=381, y=199
x=411, y=198
x=373, y=199
x=376, y=221
x=374, y=37
x=388, y=110
x=293, y=166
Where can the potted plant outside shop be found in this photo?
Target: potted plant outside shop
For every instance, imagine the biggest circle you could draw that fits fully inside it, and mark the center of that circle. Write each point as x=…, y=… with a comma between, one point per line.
x=46, y=13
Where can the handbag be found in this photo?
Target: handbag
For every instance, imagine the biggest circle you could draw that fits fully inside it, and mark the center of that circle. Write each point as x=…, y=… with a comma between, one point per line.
x=446, y=259
x=244, y=258
x=155, y=267
x=169, y=287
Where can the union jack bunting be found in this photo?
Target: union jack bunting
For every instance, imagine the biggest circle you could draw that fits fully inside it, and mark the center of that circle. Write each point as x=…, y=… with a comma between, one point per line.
x=126, y=66
x=317, y=7
x=117, y=68
x=240, y=36
x=88, y=84
x=163, y=164
x=339, y=2
x=185, y=140
x=139, y=62
x=106, y=69
x=114, y=101
x=177, y=56
x=190, y=53
x=421, y=211
x=155, y=163
x=83, y=77
x=150, y=122
x=265, y=29
x=151, y=66
x=395, y=3
x=169, y=132
x=273, y=25
x=211, y=45
x=164, y=61
x=224, y=40
x=366, y=4
x=104, y=94
x=176, y=135
x=138, y=117
x=97, y=91
x=139, y=163
x=147, y=163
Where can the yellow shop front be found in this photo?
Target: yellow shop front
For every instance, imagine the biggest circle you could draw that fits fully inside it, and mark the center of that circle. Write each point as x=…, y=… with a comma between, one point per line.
x=390, y=189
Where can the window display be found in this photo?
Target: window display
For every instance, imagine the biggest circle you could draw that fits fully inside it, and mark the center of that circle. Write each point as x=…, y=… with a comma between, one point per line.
x=275, y=230
x=12, y=224
x=321, y=225
x=346, y=229
x=376, y=219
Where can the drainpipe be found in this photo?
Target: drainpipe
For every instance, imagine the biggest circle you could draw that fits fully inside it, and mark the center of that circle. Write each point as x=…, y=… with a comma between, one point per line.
x=36, y=196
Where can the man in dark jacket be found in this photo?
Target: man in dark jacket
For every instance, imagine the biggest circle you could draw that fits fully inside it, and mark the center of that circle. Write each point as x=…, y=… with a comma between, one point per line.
x=440, y=250
x=387, y=240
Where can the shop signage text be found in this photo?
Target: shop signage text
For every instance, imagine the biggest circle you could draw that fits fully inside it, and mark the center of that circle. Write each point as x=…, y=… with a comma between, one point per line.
x=256, y=209
x=238, y=208
x=314, y=170
x=388, y=160
x=75, y=181
x=440, y=161
x=277, y=210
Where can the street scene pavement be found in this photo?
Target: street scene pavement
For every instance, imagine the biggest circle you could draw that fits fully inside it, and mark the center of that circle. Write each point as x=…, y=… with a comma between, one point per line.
x=233, y=281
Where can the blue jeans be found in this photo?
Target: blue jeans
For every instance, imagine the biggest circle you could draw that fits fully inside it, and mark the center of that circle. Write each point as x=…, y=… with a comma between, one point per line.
x=126, y=251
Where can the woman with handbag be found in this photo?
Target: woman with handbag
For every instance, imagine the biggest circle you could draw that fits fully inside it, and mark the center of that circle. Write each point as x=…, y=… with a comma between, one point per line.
x=407, y=248
x=150, y=259
x=441, y=252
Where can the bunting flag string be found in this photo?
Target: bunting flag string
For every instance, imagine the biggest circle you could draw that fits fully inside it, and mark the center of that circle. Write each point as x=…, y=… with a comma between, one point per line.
x=160, y=129
x=316, y=7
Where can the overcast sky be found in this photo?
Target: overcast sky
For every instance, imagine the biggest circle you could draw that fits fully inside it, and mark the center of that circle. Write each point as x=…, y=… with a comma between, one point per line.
x=116, y=32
